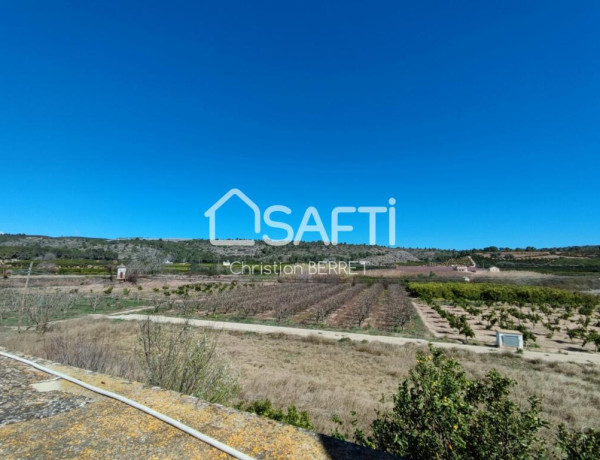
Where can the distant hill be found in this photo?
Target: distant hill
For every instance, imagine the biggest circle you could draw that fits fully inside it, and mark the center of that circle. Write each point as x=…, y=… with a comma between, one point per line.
x=28, y=247
x=572, y=259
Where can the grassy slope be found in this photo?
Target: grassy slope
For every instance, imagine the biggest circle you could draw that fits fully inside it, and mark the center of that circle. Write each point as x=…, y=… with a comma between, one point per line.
x=327, y=377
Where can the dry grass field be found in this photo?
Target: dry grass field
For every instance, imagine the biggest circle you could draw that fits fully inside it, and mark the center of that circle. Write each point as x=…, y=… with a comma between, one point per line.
x=320, y=376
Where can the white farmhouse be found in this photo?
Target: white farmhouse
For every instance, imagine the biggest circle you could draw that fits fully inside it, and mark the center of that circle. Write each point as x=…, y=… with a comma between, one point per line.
x=494, y=269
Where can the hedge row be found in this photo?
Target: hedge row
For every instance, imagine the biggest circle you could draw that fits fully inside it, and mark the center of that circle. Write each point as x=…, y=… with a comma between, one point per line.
x=487, y=292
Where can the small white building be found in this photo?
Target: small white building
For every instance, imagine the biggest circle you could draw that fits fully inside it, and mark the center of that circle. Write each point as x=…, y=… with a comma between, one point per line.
x=494, y=269
x=121, y=272
x=461, y=268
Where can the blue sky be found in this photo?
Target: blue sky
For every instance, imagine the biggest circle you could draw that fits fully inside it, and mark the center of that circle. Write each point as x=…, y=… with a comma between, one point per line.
x=133, y=118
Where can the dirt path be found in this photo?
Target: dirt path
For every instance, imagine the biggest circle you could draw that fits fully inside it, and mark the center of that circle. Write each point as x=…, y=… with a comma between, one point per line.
x=133, y=310
x=574, y=357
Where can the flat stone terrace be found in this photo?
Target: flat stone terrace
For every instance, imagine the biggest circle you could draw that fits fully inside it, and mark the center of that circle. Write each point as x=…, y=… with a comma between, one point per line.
x=45, y=417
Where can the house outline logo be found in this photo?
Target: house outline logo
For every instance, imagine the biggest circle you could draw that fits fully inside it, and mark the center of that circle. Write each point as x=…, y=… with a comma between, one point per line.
x=305, y=225
x=211, y=214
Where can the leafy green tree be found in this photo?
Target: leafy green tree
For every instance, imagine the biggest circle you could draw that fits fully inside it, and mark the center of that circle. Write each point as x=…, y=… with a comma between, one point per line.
x=439, y=412
x=576, y=333
x=592, y=337
x=464, y=328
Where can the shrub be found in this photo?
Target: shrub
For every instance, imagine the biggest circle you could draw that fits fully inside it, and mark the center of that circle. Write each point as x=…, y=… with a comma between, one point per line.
x=441, y=413
x=178, y=359
x=79, y=351
x=265, y=409
x=580, y=445
x=133, y=276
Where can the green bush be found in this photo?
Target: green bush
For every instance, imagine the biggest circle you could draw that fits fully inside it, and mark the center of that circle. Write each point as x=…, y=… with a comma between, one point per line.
x=441, y=413
x=580, y=445
x=265, y=409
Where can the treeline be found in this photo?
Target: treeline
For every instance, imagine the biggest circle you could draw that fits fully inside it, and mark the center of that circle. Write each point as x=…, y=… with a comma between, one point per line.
x=192, y=251
x=562, y=265
x=49, y=252
x=511, y=294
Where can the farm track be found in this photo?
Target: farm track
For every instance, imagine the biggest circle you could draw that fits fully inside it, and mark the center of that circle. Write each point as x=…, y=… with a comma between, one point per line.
x=573, y=357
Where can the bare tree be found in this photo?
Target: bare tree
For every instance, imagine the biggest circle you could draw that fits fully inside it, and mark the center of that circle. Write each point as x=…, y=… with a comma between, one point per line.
x=39, y=308
x=365, y=302
x=400, y=310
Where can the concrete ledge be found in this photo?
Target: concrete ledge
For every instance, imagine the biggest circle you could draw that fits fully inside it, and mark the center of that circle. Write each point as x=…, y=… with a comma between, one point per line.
x=84, y=424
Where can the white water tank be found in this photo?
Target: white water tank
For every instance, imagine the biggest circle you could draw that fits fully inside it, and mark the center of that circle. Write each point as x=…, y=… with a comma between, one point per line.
x=509, y=339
